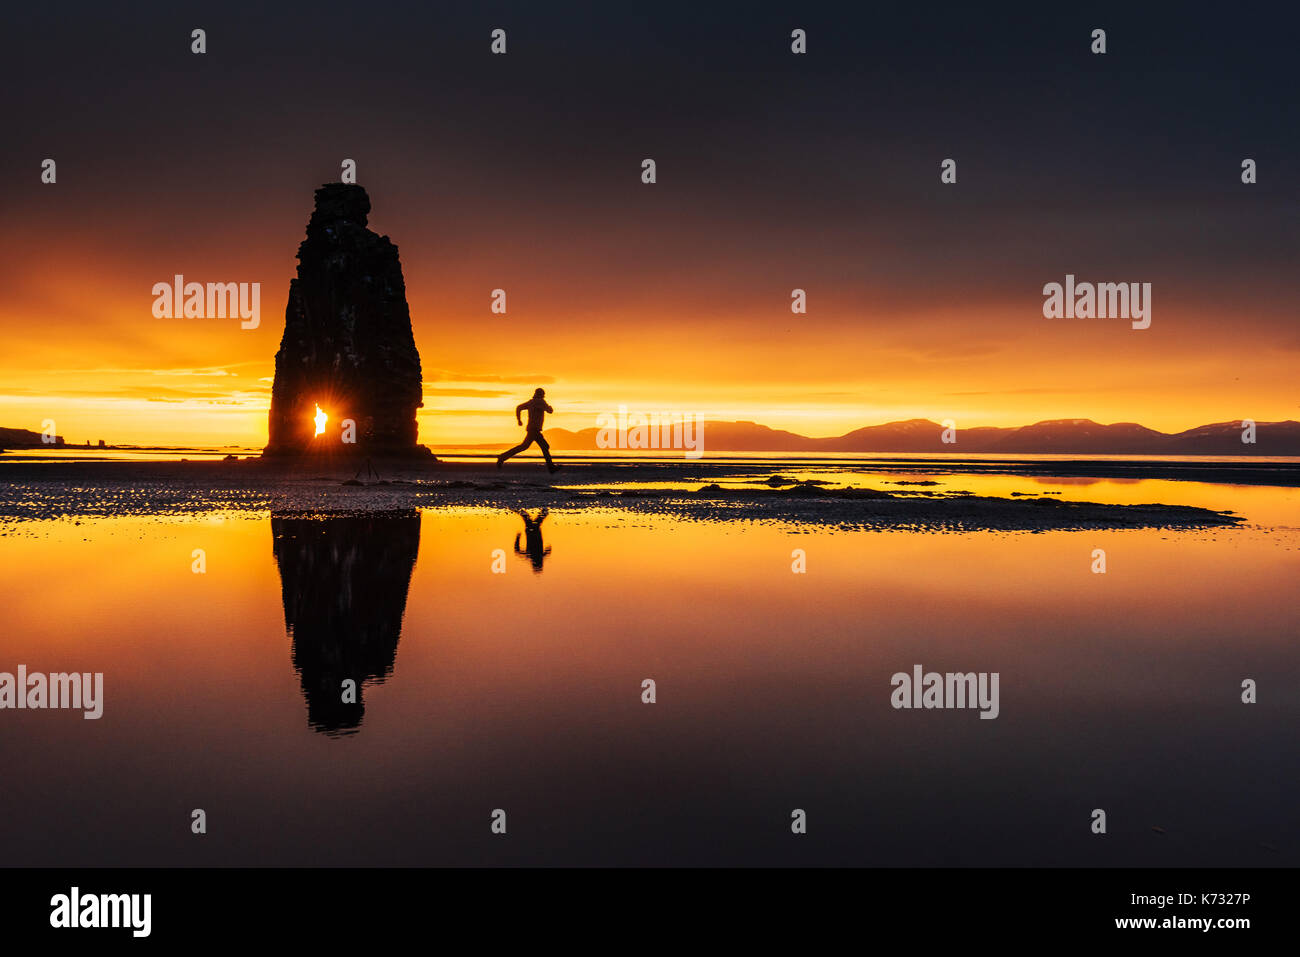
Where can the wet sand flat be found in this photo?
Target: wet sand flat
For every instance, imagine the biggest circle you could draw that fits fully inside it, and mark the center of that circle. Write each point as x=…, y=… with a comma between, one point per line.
x=737, y=491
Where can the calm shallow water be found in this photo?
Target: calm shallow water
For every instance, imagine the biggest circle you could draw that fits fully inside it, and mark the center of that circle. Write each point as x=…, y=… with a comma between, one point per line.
x=522, y=690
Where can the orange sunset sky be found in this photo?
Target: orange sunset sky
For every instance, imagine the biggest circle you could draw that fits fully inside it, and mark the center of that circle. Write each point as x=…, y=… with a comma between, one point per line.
x=693, y=325
x=774, y=172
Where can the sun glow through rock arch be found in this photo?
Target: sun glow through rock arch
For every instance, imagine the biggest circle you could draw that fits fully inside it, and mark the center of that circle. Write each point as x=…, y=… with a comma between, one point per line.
x=321, y=419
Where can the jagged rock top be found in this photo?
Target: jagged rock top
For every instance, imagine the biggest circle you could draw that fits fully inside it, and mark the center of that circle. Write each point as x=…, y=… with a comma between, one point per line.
x=340, y=202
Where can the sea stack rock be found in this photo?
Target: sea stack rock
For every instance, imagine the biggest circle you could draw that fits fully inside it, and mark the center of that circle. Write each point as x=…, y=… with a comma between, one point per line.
x=347, y=376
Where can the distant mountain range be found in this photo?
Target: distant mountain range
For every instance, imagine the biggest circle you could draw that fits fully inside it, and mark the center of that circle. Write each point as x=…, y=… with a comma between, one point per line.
x=1055, y=436
x=1061, y=436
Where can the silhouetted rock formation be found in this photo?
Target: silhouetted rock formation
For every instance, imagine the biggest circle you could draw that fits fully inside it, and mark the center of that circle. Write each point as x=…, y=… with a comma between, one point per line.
x=25, y=439
x=347, y=344
x=344, y=583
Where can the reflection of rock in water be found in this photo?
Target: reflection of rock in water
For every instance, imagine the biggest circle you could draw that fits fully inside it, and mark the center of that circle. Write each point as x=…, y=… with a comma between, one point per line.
x=344, y=582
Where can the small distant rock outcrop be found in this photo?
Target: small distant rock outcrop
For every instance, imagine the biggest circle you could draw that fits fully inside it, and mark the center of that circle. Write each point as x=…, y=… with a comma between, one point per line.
x=27, y=439
x=347, y=376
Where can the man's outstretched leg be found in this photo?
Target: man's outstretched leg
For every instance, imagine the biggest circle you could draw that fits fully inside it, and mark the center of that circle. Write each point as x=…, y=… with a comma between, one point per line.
x=528, y=440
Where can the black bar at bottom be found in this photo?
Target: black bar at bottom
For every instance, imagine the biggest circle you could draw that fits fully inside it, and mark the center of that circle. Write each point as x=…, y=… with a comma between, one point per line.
x=339, y=906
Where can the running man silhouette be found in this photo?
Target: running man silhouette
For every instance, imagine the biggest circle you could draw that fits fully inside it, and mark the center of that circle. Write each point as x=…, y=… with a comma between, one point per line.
x=537, y=409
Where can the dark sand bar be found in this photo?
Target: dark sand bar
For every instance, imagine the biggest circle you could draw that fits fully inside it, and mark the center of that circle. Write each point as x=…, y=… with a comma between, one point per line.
x=734, y=491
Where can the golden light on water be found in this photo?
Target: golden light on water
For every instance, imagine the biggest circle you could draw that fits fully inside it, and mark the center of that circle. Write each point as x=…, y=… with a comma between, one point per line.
x=321, y=419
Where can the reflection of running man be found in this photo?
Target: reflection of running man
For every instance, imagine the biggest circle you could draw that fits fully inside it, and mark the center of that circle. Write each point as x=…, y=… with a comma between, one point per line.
x=537, y=409
x=536, y=550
